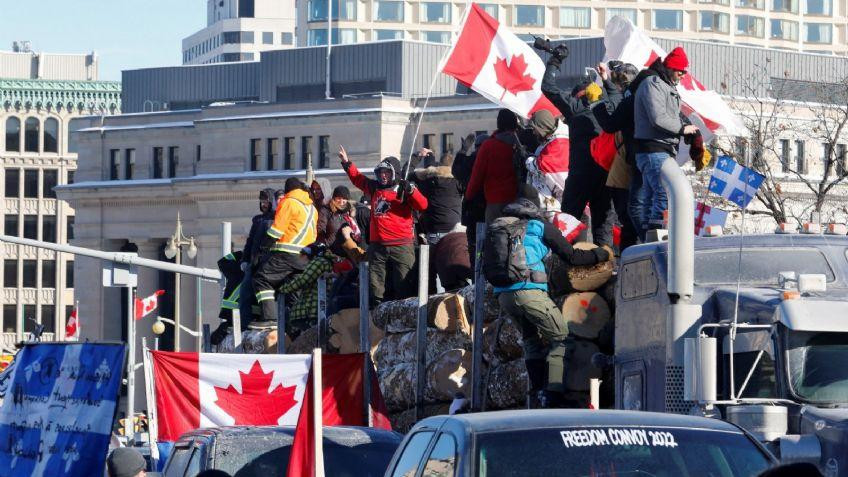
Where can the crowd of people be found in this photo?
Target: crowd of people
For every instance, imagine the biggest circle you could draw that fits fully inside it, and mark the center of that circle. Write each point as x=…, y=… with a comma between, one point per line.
x=594, y=164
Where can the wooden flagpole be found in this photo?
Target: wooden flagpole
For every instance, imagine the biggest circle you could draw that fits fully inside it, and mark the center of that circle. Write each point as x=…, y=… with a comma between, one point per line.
x=318, y=412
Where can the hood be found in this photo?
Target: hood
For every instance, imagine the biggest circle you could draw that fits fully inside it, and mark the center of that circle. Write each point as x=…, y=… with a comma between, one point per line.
x=651, y=70
x=522, y=209
x=270, y=193
x=391, y=163
x=300, y=195
x=433, y=172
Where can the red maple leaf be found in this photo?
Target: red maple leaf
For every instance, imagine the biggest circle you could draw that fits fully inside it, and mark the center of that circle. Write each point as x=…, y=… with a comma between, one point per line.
x=512, y=77
x=256, y=405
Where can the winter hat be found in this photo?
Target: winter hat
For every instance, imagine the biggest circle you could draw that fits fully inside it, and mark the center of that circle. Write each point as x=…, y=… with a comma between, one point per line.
x=676, y=60
x=263, y=195
x=391, y=163
x=593, y=92
x=293, y=183
x=543, y=122
x=341, y=191
x=125, y=462
x=480, y=138
x=507, y=120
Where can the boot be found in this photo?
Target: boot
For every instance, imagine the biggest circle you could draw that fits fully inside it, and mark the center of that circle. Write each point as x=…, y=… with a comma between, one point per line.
x=537, y=376
x=269, y=315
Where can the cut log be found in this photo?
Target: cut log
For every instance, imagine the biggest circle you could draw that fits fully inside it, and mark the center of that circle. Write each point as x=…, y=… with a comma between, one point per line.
x=344, y=332
x=578, y=366
x=399, y=348
x=449, y=374
x=502, y=341
x=398, y=386
x=586, y=314
x=564, y=278
x=491, y=307
x=271, y=342
x=252, y=342
x=402, y=421
x=507, y=386
x=305, y=343
x=446, y=312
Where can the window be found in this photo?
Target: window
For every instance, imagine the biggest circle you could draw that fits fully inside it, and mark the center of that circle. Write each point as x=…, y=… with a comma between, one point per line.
x=235, y=37
x=246, y=8
x=10, y=318
x=129, y=163
x=790, y=6
x=436, y=36
x=442, y=459
x=31, y=135
x=427, y=140
x=490, y=8
x=48, y=318
x=268, y=38
x=51, y=180
x=447, y=143
x=31, y=227
x=840, y=160
x=668, y=19
x=819, y=7
x=746, y=25
x=71, y=175
x=317, y=10
x=529, y=15
x=286, y=38
x=409, y=459
x=323, y=152
x=48, y=228
x=713, y=21
x=48, y=273
x=784, y=155
x=255, y=151
x=316, y=37
x=388, y=35
x=784, y=30
x=344, y=36
x=69, y=274
x=31, y=183
x=158, y=162
x=13, y=134
x=13, y=183
x=305, y=151
x=574, y=17
x=69, y=227
x=30, y=274
x=29, y=318
x=628, y=13
x=272, y=146
x=818, y=32
x=10, y=225
x=114, y=164
x=51, y=135
x=173, y=160
x=388, y=11
x=288, y=162
x=758, y=4
x=800, y=160
x=10, y=273
x=435, y=12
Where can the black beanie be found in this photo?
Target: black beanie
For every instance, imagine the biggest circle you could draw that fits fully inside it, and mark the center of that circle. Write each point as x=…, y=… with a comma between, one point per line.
x=292, y=183
x=341, y=191
x=507, y=121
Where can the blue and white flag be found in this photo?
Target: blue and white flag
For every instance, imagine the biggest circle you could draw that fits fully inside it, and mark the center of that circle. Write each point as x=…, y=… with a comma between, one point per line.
x=56, y=418
x=734, y=181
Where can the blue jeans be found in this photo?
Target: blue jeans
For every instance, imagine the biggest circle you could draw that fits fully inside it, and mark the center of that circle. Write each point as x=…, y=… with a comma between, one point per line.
x=636, y=204
x=652, y=199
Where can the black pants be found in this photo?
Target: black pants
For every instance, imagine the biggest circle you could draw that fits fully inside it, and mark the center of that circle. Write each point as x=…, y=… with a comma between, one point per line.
x=586, y=183
x=270, y=274
x=390, y=272
x=621, y=201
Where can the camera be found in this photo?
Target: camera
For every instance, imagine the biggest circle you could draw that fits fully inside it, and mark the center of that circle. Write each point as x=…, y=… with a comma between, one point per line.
x=560, y=51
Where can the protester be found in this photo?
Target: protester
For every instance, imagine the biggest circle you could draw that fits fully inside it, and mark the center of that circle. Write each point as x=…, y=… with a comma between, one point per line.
x=248, y=308
x=444, y=198
x=337, y=212
x=586, y=178
x=547, y=168
x=658, y=127
x=521, y=285
x=473, y=210
x=450, y=261
x=345, y=290
x=126, y=462
x=294, y=227
x=494, y=171
x=391, y=249
x=233, y=275
x=362, y=215
x=304, y=312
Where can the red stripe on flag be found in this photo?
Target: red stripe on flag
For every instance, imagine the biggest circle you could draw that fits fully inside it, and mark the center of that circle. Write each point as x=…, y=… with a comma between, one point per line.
x=654, y=56
x=472, y=47
x=544, y=103
x=176, y=378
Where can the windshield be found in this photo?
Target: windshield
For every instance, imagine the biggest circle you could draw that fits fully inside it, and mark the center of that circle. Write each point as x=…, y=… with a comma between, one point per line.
x=619, y=451
x=812, y=374
x=759, y=266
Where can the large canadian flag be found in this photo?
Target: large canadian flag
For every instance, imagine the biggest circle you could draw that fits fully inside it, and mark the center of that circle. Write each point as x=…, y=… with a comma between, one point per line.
x=492, y=61
x=196, y=390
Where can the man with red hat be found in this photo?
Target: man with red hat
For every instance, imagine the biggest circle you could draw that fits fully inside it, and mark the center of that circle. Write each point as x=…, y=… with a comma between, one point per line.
x=658, y=128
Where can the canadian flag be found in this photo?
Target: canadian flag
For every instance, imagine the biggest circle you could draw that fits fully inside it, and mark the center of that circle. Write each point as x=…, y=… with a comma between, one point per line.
x=72, y=327
x=196, y=390
x=547, y=169
x=144, y=306
x=492, y=61
x=569, y=225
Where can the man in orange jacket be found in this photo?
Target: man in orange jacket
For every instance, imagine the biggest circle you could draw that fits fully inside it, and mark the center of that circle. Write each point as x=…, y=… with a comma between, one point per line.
x=295, y=226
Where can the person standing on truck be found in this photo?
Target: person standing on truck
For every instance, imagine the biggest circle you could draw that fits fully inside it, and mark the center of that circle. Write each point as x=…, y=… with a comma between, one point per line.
x=494, y=172
x=515, y=246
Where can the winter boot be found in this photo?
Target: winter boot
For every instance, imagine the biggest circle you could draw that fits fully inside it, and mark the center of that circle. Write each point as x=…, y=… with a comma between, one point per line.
x=550, y=399
x=537, y=376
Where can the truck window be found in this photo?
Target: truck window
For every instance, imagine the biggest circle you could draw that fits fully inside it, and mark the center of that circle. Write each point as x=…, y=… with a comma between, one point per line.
x=638, y=279
x=411, y=455
x=177, y=462
x=193, y=467
x=759, y=266
x=763, y=383
x=814, y=374
x=442, y=459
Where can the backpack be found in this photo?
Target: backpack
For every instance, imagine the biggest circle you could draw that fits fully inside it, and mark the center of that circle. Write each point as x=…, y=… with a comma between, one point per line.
x=504, y=257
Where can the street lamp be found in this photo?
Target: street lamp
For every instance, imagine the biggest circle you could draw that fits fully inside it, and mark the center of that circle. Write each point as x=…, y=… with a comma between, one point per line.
x=174, y=249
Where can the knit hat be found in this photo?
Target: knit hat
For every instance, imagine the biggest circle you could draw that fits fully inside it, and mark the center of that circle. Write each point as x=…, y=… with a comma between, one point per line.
x=478, y=140
x=507, y=120
x=676, y=60
x=125, y=462
x=543, y=122
x=341, y=191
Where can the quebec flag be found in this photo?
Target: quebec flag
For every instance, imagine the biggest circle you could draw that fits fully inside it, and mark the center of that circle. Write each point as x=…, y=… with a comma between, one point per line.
x=56, y=418
x=734, y=181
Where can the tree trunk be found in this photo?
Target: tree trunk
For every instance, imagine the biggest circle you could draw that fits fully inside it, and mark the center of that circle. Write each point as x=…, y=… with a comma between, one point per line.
x=586, y=314
x=253, y=342
x=502, y=341
x=507, y=386
x=344, y=332
x=402, y=421
x=563, y=278
x=491, y=307
x=446, y=312
x=449, y=374
x=398, y=348
x=305, y=343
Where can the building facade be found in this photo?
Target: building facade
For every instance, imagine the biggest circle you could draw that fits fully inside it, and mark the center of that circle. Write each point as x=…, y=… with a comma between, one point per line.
x=802, y=25
x=39, y=95
x=237, y=30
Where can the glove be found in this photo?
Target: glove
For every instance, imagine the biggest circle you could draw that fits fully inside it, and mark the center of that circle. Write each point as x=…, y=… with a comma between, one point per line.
x=406, y=187
x=593, y=92
x=601, y=254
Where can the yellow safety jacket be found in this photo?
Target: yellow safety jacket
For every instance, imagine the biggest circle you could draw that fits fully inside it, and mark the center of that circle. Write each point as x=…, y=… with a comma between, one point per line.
x=295, y=223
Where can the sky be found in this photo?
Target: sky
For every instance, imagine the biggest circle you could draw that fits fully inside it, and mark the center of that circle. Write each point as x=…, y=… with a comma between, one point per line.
x=125, y=34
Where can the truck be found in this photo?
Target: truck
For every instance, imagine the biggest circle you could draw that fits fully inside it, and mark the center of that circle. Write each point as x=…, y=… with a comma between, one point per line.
x=751, y=329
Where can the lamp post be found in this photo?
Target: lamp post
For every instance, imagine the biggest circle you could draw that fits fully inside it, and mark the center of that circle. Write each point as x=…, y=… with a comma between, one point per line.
x=174, y=249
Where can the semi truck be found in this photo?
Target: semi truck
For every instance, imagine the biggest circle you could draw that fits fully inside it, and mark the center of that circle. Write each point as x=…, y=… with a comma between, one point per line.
x=750, y=329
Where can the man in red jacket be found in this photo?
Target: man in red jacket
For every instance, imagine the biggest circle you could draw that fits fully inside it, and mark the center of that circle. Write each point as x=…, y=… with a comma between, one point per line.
x=391, y=249
x=494, y=171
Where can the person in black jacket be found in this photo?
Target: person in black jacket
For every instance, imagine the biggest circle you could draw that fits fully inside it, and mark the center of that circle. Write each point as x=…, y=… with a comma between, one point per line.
x=251, y=255
x=586, y=178
x=233, y=275
x=474, y=210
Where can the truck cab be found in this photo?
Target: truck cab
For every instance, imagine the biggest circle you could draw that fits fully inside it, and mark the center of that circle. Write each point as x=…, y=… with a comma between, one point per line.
x=769, y=352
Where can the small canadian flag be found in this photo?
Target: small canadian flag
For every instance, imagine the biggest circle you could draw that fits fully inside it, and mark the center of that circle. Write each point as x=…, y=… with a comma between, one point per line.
x=72, y=327
x=144, y=306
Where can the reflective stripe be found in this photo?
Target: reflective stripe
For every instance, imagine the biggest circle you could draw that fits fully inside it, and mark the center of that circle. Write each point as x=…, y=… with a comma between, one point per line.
x=229, y=256
x=265, y=295
x=274, y=232
x=284, y=247
x=310, y=213
x=231, y=302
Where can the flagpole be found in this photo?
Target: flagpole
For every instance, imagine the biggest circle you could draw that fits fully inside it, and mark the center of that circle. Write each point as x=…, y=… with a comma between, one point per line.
x=149, y=384
x=318, y=412
x=128, y=429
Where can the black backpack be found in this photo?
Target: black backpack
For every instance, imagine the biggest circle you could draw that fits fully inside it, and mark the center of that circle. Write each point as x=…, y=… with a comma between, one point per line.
x=504, y=258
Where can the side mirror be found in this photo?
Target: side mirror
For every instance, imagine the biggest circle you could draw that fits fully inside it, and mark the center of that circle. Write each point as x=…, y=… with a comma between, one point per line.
x=699, y=369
